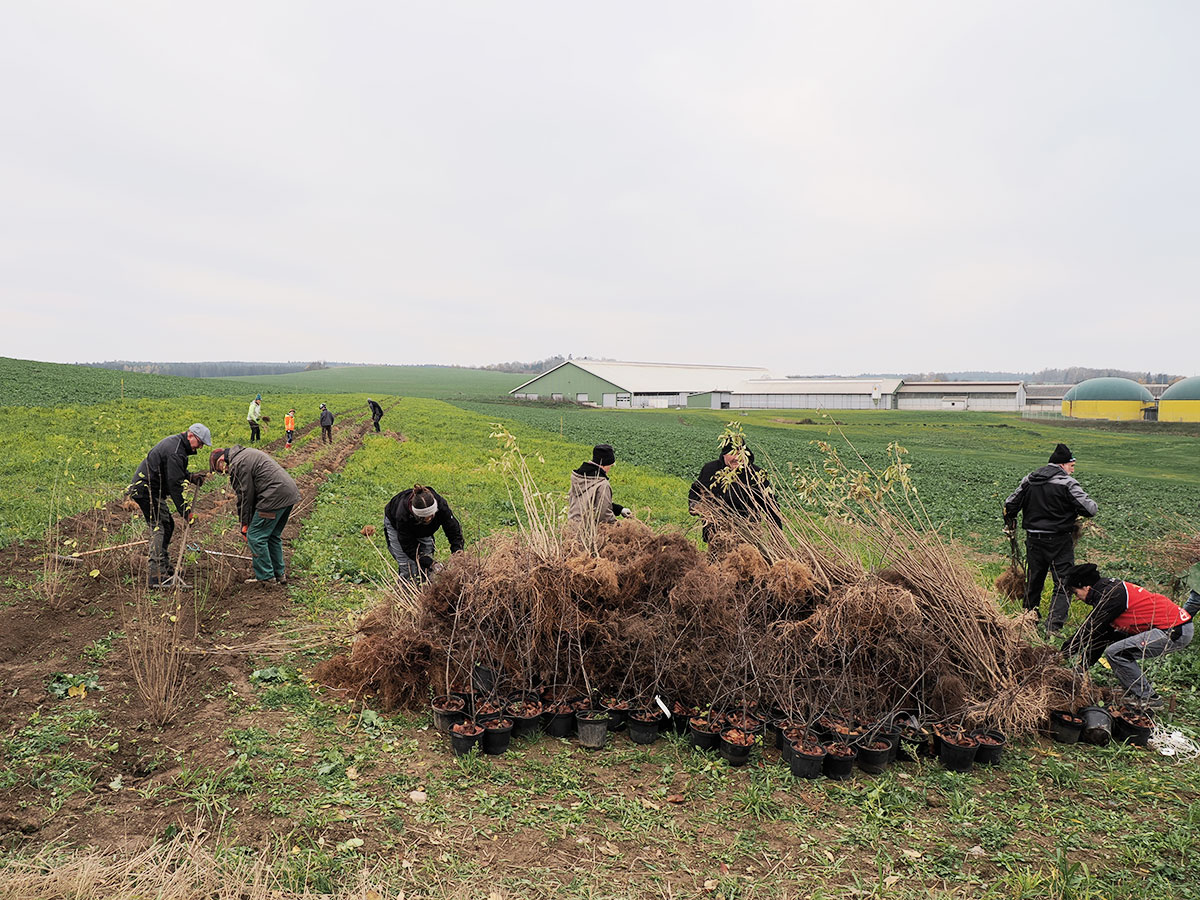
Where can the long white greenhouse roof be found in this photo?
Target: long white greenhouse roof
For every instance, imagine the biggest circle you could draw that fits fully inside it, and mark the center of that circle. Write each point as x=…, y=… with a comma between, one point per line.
x=662, y=378
x=818, y=386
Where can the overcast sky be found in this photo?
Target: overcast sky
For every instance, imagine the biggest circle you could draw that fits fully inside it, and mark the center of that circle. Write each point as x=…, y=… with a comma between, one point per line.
x=812, y=187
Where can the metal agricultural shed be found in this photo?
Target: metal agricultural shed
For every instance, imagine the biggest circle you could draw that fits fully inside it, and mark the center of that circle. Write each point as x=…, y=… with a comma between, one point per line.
x=632, y=385
x=802, y=393
x=981, y=396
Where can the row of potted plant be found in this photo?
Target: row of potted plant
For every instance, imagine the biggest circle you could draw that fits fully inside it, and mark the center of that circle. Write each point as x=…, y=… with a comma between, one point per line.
x=1099, y=725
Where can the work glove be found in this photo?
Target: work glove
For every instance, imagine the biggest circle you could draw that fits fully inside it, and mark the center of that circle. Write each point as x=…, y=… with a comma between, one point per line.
x=1010, y=527
x=245, y=534
x=626, y=512
x=196, y=478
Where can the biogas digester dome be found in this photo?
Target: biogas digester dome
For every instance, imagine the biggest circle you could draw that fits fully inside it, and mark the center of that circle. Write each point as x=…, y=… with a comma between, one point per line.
x=1181, y=401
x=1117, y=399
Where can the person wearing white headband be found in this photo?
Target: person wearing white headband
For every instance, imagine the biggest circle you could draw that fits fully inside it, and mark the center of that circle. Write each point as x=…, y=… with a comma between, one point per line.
x=410, y=521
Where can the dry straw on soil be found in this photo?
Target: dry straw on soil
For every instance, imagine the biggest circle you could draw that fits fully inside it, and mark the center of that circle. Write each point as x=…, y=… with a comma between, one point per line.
x=853, y=604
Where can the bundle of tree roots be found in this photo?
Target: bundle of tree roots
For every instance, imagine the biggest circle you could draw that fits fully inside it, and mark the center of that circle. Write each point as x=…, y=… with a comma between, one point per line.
x=845, y=608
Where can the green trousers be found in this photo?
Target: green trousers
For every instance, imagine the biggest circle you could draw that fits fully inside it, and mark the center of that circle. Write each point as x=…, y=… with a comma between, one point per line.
x=265, y=536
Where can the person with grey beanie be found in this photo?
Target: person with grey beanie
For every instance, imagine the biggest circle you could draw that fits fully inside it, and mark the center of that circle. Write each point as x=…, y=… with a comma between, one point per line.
x=162, y=475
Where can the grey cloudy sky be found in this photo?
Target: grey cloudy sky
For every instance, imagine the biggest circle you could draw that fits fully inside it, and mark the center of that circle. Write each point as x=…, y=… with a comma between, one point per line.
x=813, y=187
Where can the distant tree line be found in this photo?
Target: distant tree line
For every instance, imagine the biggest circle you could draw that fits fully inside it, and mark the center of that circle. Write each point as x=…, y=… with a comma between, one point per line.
x=530, y=368
x=222, y=369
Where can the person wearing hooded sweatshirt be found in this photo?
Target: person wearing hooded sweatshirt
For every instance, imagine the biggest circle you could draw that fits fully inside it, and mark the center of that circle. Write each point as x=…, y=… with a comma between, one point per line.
x=732, y=484
x=1127, y=624
x=162, y=475
x=589, y=499
x=326, y=424
x=376, y=413
x=1050, y=501
x=253, y=416
x=410, y=521
x=266, y=494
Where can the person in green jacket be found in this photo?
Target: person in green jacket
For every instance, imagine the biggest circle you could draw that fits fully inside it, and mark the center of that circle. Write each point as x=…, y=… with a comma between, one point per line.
x=266, y=494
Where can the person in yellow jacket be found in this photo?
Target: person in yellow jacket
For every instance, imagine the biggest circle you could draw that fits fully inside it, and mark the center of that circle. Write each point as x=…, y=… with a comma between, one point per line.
x=289, y=425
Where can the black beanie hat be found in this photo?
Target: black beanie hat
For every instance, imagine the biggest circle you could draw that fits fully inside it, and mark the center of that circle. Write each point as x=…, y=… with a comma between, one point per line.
x=1082, y=575
x=1062, y=454
x=604, y=455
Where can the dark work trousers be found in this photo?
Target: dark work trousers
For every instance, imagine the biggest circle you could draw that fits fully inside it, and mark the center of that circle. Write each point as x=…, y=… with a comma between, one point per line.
x=255, y=432
x=1053, y=553
x=162, y=526
x=327, y=433
x=375, y=420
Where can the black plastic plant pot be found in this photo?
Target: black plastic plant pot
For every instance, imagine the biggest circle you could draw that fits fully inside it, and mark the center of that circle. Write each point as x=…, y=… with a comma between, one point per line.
x=831, y=728
x=704, y=737
x=524, y=726
x=1097, y=725
x=873, y=756
x=680, y=715
x=643, y=727
x=1132, y=728
x=496, y=736
x=838, y=763
x=891, y=734
x=462, y=744
x=733, y=747
x=958, y=754
x=746, y=721
x=806, y=759
x=592, y=727
x=1065, y=727
x=990, y=748
x=448, y=711
x=559, y=724
x=618, y=713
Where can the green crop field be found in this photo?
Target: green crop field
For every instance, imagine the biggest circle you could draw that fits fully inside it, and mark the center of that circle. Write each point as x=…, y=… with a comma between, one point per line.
x=441, y=382
x=27, y=383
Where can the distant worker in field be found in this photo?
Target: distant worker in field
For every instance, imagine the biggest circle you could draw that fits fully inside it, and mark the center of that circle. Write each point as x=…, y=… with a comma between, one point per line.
x=589, y=500
x=731, y=487
x=253, y=417
x=266, y=495
x=162, y=475
x=1051, y=501
x=410, y=521
x=376, y=413
x=289, y=426
x=1128, y=624
x=326, y=424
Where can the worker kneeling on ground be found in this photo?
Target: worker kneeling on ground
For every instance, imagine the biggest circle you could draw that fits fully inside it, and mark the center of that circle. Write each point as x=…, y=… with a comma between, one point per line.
x=410, y=521
x=266, y=494
x=162, y=475
x=1127, y=624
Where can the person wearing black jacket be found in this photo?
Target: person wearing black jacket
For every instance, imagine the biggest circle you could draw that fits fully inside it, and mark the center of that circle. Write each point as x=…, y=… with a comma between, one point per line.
x=410, y=521
x=326, y=425
x=731, y=486
x=1050, y=502
x=1127, y=623
x=162, y=475
x=376, y=412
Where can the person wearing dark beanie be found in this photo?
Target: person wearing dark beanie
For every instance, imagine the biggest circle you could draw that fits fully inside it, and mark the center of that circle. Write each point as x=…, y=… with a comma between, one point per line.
x=589, y=500
x=1050, y=501
x=1128, y=624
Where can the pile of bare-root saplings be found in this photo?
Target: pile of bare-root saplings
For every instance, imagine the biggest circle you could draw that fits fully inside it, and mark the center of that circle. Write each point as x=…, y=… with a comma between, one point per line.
x=846, y=630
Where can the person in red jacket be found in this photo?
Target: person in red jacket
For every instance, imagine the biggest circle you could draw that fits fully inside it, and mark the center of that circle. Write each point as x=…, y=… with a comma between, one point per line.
x=1127, y=624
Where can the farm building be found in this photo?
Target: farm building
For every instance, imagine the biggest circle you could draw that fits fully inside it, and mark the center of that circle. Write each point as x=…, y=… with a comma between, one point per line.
x=981, y=396
x=1045, y=398
x=632, y=384
x=1181, y=401
x=801, y=393
x=1117, y=399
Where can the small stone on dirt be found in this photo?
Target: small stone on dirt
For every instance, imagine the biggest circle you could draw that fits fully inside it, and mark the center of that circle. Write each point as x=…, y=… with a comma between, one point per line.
x=977, y=851
x=418, y=796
